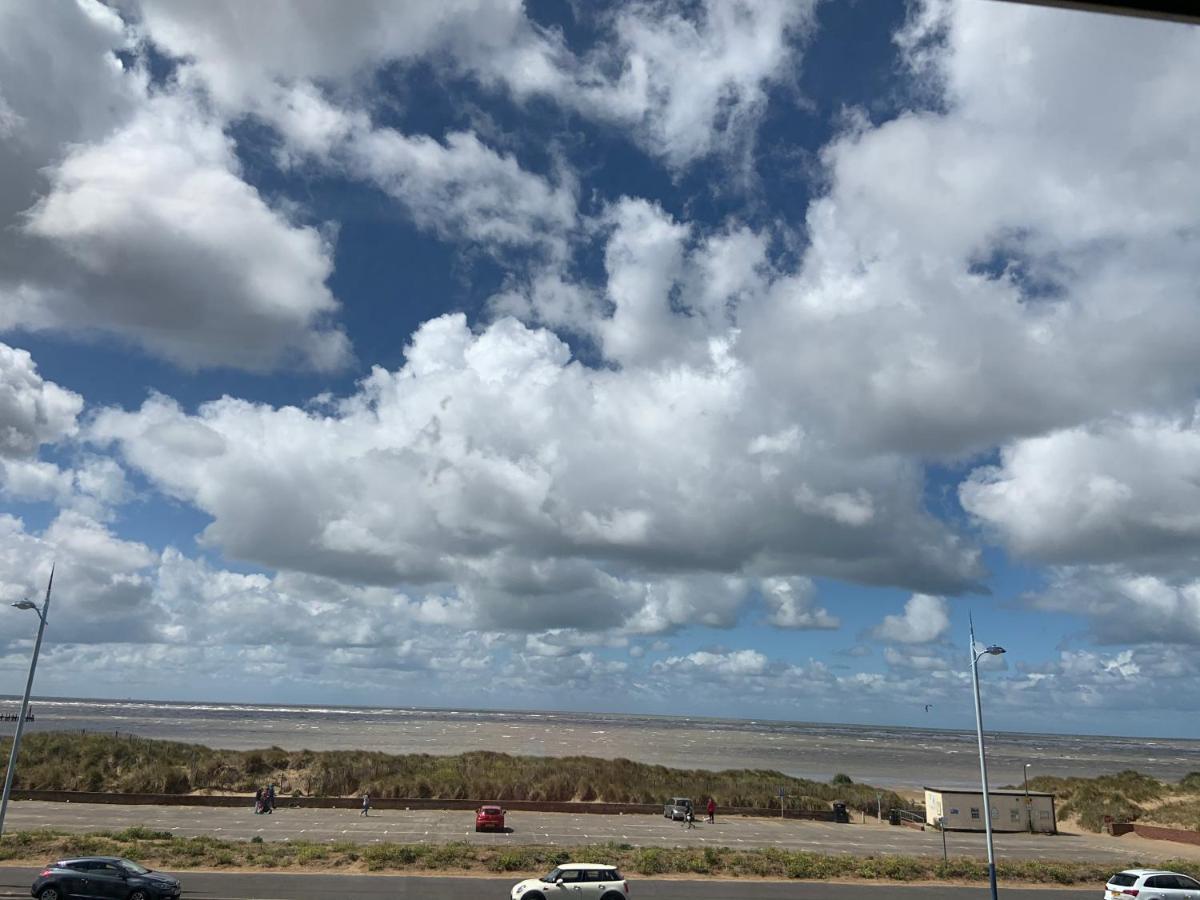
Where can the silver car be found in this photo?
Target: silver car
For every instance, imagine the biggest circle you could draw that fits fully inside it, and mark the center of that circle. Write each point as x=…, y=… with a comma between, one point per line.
x=679, y=807
x=1151, y=884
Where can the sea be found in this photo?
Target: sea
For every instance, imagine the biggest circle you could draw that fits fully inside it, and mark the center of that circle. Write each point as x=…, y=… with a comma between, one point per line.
x=890, y=756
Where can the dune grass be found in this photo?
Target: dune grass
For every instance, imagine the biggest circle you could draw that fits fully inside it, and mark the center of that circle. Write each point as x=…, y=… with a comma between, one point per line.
x=126, y=764
x=1127, y=796
x=161, y=851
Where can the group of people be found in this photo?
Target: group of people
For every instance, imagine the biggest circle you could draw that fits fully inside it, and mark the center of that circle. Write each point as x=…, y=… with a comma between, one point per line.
x=264, y=800
x=689, y=820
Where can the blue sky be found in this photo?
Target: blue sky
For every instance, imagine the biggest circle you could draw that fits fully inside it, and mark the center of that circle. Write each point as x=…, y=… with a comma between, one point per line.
x=713, y=358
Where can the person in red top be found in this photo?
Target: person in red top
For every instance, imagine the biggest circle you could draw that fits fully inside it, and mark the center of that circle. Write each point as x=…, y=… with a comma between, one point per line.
x=712, y=811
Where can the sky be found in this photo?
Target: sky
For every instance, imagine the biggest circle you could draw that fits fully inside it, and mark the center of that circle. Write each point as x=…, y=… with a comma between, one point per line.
x=713, y=358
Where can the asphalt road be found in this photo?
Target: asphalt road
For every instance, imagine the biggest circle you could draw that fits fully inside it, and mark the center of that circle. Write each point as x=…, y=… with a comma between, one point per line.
x=239, y=886
x=442, y=826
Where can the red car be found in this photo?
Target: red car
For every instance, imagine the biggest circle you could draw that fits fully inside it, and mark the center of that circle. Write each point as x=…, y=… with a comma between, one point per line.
x=489, y=818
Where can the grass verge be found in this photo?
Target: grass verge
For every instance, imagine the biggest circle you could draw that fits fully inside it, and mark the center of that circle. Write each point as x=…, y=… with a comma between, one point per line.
x=159, y=850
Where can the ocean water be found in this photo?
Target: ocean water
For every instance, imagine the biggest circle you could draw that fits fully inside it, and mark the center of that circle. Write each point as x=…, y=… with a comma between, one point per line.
x=888, y=756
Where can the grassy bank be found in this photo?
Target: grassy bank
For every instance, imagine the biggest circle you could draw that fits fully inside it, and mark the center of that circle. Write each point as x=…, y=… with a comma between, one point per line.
x=1127, y=796
x=160, y=850
x=103, y=762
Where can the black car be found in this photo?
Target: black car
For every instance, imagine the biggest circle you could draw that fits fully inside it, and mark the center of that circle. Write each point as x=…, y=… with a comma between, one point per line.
x=109, y=877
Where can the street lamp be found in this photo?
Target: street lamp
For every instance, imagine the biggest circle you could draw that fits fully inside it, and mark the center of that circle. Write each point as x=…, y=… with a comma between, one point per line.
x=1028, y=805
x=992, y=650
x=42, y=612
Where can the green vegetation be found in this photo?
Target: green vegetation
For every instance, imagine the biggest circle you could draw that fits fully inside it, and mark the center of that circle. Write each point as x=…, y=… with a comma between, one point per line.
x=35, y=847
x=1127, y=796
x=126, y=764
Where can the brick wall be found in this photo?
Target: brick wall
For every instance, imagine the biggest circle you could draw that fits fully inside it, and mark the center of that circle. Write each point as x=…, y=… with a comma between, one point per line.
x=282, y=802
x=1155, y=832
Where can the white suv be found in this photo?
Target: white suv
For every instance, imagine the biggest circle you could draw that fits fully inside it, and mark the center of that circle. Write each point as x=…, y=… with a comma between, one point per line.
x=576, y=881
x=1151, y=884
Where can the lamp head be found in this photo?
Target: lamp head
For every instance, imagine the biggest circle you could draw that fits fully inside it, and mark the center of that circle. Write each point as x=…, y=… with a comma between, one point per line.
x=25, y=604
x=994, y=650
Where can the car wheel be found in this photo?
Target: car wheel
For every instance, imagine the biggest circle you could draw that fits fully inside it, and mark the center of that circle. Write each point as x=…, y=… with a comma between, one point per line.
x=139, y=894
x=49, y=893
x=613, y=895
x=534, y=896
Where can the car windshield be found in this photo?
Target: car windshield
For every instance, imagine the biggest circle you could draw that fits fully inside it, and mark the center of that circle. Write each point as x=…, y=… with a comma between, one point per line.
x=491, y=810
x=133, y=867
x=554, y=875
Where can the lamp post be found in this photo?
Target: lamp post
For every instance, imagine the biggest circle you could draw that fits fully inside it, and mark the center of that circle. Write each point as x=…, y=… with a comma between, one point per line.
x=1028, y=805
x=991, y=650
x=42, y=611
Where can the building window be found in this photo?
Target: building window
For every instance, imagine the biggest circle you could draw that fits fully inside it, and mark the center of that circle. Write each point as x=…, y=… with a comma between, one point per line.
x=974, y=812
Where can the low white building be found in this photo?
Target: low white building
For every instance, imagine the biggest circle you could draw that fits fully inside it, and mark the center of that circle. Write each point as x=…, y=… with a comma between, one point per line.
x=960, y=810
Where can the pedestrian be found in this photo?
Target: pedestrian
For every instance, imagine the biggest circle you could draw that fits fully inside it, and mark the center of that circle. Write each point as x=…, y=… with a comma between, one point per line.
x=258, y=801
x=689, y=819
x=712, y=811
x=271, y=798
x=366, y=807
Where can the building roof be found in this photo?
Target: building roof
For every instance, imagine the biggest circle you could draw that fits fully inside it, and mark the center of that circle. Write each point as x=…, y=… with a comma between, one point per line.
x=1001, y=793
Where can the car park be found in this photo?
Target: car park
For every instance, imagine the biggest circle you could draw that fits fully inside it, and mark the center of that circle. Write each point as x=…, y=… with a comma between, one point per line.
x=489, y=818
x=583, y=881
x=102, y=876
x=1151, y=884
x=678, y=809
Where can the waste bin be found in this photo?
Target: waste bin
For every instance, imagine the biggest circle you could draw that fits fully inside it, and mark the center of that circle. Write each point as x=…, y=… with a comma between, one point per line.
x=839, y=812
x=893, y=817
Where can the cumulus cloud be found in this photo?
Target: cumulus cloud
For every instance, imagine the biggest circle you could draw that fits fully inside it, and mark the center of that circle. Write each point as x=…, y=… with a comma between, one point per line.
x=126, y=212
x=614, y=479
x=962, y=305
x=925, y=619
x=683, y=81
x=219, y=276
x=102, y=586
x=1116, y=491
x=790, y=601
x=1124, y=606
x=33, y=411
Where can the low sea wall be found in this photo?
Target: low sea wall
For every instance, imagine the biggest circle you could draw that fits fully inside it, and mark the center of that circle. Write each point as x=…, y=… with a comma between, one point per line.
x=224, y=800
x=1156, y=832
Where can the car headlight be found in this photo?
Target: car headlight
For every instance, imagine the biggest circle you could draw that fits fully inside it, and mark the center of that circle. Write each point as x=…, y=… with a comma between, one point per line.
x=520, y=888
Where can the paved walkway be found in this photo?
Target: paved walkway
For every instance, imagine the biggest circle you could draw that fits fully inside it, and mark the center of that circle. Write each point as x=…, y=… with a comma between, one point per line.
x=441, y=826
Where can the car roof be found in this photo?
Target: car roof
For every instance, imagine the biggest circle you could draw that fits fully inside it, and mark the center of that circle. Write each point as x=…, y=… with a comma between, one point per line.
x=585, y=866
x=1140, y=872
x=74, y=859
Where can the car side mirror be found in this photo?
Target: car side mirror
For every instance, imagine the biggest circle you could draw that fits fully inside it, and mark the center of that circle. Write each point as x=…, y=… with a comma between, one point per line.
x=559, y=882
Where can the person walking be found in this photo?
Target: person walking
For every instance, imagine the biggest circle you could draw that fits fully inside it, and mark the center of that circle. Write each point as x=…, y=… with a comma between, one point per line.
x=271, y=798
x=258, y=801
x=689, y=819
x=366, y=807
x=712, y=811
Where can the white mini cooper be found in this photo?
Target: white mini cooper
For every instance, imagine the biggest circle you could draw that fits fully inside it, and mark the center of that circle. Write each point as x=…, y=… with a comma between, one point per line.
x=575, y=881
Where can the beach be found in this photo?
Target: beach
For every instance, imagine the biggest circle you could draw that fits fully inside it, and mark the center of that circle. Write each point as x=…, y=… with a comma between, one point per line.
x=896, y=757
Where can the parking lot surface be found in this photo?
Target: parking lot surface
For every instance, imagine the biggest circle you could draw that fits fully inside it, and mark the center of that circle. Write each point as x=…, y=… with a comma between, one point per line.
x=441, y=826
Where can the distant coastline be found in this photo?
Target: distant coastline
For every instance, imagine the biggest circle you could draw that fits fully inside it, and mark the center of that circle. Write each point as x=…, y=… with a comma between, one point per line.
x=893, y=756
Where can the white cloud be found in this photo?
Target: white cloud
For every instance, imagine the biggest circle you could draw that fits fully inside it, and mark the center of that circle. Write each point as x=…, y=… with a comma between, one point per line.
x=419, y=477
x=33, y=411
x=1111, y=492
x=964, y=303
x=790, y=601
x=102, y=586
x=691, y=81
x=925, y=619
x=683, y=81
x=219, y=277
x=125, y=212
x=1124, y=606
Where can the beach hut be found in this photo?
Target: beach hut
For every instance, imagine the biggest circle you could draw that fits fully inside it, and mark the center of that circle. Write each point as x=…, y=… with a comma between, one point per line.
x=962, y=810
